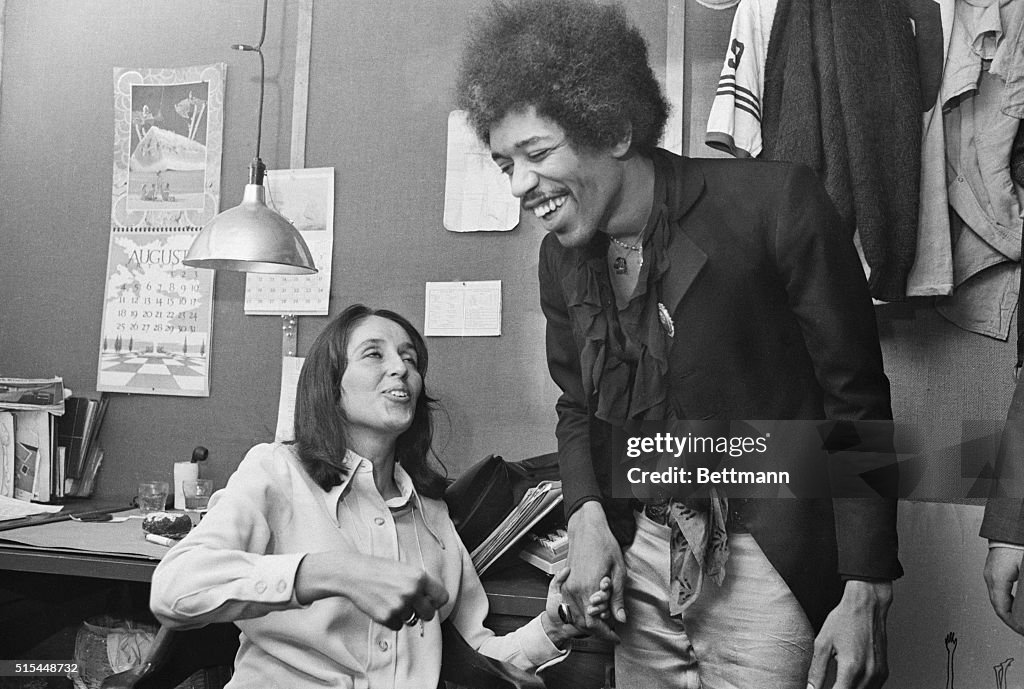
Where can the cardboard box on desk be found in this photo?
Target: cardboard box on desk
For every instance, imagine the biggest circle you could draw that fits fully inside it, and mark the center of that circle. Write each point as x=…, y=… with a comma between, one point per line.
x=28, y=411
x=37, y=461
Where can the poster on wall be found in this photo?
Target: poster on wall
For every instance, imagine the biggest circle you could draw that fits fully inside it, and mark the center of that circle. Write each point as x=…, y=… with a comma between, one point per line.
x=306, y=198
x=477, y=195
x=157, y=312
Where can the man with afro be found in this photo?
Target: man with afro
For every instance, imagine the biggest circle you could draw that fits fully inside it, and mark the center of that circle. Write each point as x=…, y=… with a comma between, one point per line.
x=682, y=289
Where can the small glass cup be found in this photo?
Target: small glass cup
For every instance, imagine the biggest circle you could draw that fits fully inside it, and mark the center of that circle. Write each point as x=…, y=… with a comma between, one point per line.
x=152, y=496
x=197, y=497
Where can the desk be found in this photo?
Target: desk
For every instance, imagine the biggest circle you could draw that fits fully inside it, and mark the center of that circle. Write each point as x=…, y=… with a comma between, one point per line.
x=516, y=593
x=76, y=564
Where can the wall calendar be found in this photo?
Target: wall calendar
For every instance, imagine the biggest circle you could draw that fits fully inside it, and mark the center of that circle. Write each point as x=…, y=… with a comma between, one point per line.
x=157, y=312
x=306, y=198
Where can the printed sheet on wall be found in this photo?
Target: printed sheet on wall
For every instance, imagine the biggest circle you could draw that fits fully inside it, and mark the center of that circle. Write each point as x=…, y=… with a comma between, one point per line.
x=157, y=312
x=305, y=197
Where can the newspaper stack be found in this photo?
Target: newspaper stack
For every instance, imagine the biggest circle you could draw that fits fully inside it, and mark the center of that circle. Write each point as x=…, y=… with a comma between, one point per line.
x=535, y=505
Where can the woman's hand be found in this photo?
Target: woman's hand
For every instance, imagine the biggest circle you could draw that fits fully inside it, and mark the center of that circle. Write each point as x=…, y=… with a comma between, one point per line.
x=557, y=630
x=594, y=555
x=388, y=591
x=600, y=601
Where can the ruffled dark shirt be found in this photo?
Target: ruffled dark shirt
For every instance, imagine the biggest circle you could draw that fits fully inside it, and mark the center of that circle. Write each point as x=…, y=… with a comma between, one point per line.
x=626, y=353
x=626, y=350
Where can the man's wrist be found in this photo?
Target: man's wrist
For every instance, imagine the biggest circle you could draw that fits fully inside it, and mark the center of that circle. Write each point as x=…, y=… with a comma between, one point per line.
x=572, y=510
x=860, y=591
x=1004, y=544
x=587, y=514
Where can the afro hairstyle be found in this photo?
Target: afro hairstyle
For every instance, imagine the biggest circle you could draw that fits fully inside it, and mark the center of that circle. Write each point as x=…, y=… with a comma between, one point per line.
x=580, y=64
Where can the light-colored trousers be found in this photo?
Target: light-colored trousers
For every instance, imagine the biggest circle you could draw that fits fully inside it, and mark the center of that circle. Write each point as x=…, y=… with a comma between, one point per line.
x=748, y=633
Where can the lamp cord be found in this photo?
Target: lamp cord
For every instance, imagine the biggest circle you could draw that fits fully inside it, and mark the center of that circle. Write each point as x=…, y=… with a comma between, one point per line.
x=258, y=49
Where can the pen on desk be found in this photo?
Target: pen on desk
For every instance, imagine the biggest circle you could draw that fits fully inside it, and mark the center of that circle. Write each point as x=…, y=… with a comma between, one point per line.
x=160, y=540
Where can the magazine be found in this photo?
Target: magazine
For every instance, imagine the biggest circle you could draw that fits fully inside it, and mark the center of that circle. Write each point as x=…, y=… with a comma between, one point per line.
x=535, y=505
x=33, y=394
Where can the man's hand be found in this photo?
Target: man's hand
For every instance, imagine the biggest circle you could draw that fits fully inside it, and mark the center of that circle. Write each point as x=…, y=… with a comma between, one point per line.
x=1002, y=570
x=854, y=634
x=593, y=555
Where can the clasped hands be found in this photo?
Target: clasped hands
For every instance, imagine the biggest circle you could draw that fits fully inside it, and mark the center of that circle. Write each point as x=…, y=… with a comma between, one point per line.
x=407, y=594
x=592, y=594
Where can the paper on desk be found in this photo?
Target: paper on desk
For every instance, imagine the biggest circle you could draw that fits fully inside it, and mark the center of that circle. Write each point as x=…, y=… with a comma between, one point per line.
x=463, y=309
x=103, y=538
x=290, y=368
x=16, y=509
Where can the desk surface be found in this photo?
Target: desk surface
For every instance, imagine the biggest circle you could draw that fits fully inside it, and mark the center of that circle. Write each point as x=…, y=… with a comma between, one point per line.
x=518, y=589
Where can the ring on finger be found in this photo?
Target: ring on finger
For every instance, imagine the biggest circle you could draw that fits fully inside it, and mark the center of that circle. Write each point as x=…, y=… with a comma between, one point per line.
x=565, y=613
x=412, y=620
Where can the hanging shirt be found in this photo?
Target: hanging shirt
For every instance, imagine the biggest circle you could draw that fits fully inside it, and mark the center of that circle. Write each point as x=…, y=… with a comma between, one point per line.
x=984, y=102
x=932, y=272
x=734, y=124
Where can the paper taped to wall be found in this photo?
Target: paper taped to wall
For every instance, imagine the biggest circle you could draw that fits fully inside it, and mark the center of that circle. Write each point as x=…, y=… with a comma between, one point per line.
x=463, y=309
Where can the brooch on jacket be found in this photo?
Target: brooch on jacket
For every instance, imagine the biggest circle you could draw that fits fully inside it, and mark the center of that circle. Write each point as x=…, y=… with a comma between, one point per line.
x=666, y=320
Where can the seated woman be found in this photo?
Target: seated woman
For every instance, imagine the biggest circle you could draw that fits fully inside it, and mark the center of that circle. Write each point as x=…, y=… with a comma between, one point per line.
x=335, y=555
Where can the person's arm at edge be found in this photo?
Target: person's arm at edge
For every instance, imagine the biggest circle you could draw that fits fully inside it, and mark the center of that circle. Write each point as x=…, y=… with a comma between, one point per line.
x=593, y=550
x=830, y=298
x=538, y=644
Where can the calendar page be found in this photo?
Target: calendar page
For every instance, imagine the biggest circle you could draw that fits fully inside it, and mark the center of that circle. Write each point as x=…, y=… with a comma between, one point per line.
x=158, y=312
x=156, y=316
x=306, y=198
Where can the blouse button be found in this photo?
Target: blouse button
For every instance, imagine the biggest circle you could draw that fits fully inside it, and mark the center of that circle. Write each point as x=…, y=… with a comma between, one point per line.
x=261, y=586
x=383, y=644
x=379, y=521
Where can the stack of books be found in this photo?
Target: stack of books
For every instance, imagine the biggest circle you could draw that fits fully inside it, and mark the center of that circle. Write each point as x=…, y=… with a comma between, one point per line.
x=77, y=434
x=548, y=551
x=47, y=443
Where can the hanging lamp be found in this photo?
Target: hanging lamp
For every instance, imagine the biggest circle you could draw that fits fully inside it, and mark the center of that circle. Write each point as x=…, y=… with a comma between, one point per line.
x=252, y=237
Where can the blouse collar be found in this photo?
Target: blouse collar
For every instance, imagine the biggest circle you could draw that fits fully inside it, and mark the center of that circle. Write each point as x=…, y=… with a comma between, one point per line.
x=354, y=464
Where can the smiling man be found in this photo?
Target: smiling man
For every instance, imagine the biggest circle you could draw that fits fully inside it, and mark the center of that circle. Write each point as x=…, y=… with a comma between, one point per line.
x=678, y=288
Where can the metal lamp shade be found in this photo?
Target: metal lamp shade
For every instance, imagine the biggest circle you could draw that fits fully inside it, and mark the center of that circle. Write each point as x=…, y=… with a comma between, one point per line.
x=251, y=238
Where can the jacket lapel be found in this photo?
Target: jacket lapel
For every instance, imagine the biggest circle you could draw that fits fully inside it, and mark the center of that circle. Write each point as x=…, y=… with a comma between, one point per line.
x=686, y=258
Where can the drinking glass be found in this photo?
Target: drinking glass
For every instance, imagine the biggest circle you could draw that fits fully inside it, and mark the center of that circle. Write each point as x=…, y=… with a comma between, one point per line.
x=197, y=497
x=152, y=496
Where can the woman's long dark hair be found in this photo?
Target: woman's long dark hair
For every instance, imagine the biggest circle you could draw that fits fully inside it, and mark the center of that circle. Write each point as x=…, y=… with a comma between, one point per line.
x=320, y=420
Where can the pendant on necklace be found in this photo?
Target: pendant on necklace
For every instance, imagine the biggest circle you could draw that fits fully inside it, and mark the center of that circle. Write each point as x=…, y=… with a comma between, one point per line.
x=619, y=266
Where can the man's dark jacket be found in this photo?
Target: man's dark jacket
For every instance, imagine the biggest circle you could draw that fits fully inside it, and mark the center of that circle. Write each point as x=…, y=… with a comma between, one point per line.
x=773, y=321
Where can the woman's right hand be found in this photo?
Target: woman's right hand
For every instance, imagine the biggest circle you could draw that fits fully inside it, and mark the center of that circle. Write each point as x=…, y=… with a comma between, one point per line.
x=389, y=592
x=593, y=555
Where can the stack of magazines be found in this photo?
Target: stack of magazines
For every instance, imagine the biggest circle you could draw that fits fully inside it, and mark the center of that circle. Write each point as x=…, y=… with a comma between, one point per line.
x=47, y=442
x=535, y=505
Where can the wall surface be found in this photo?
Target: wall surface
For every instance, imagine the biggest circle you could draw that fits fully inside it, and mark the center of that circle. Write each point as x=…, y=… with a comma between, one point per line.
x=379, y=98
